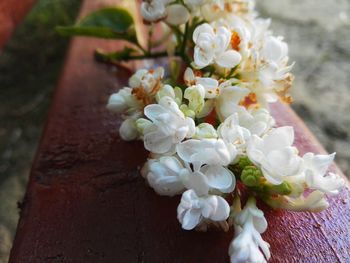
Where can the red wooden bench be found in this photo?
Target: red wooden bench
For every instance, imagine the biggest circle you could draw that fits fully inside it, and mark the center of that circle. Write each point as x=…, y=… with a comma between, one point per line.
x=86, y=201
x=11, y=13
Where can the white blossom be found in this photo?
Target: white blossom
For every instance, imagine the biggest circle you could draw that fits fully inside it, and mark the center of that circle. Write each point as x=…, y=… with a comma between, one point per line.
x=148, y=80
x=213, y=9
x=163, y=175
x=207, y=178
x=314, y=202
x=123, y=101
x=257, y=121
x=229, y=99
x=212, y=47
x=194, y=4
x=128, y=130
x=205, y=131
x=315, y=168
x=210, y=85
x=231, y=132
x=169, y=126
x=248, y=245
x=275, y=154
x=206, y=151
x=177, y=14
x=193, y=209
x=154, y=10
x=195, y=96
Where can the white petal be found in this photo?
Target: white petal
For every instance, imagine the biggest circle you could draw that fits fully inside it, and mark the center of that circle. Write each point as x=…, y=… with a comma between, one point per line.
x=196, y=181
x=157, y=142
x=284, y=161
x=152, y=111
x=210, y=85
x=153, y=11
x=228, y=59
x=128, y=130
x=177, y=14
x=163, y=179
x=203, y=28
x=223, y=38
x=216, y=208
x=218, y=177
x=207, y=109
x=318, y=163
x=201, y=58
x=189, y=77
x=172, y=163
x=116, y=103
x=191, y=219
x=330, y=184
x=279, y=138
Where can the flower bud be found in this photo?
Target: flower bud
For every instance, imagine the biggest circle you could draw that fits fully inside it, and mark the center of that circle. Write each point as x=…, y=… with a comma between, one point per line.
x=281, y=189
x=142, y=124
x=251, y=175
x=128, y=130
x=244, y=161
x=188, y=112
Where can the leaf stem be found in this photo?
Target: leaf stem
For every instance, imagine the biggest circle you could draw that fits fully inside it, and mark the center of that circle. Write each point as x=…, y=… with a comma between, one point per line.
x=141, y=48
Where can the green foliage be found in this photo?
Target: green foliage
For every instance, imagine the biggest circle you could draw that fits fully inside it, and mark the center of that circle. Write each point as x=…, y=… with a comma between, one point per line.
x=113, y=56
x=110, y=23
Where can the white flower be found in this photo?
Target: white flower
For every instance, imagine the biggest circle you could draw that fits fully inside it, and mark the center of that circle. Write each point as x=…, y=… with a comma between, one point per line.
x=195, y=96
x=153, y=10
x=275, y=154
x=163, y=175
x=229, y=99
x=177, y=14
x=314, y=202
x=128, y=130
x=315, y=168
x=209, y=177
x=123, y=101
x=193, y=209
x=213, y=9
x=205, y=131
x=275, y=50
x=169, y=127
x=257, y=121
x=194, y=4
x=248, y=245
x=206, y=151
x=212, y=47
x=231, y=132
x=148, y=80
x=210, y=85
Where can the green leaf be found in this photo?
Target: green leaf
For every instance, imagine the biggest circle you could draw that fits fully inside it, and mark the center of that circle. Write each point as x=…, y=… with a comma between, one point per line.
x=112, y=23
x=114, y=56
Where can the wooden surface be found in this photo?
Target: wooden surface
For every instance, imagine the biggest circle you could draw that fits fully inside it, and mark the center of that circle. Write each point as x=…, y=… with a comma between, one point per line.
x=86, y=201
x=11, y=13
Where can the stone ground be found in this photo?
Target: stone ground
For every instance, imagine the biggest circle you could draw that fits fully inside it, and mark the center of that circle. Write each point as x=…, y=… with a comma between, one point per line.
x=318, y=33
x=29, y=67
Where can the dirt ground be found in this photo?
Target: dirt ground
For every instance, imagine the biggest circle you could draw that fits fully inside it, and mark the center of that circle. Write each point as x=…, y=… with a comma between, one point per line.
x=318, y=33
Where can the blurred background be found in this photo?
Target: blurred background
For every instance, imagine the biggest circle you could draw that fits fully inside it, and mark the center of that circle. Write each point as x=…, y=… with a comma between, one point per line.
x=318, y=34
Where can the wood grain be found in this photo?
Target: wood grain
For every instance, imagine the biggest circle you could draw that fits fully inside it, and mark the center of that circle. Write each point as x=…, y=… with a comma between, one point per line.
x=86, y=201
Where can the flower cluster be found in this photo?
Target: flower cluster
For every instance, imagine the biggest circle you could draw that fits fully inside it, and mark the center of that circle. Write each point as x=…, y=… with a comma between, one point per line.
x=211, y=136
